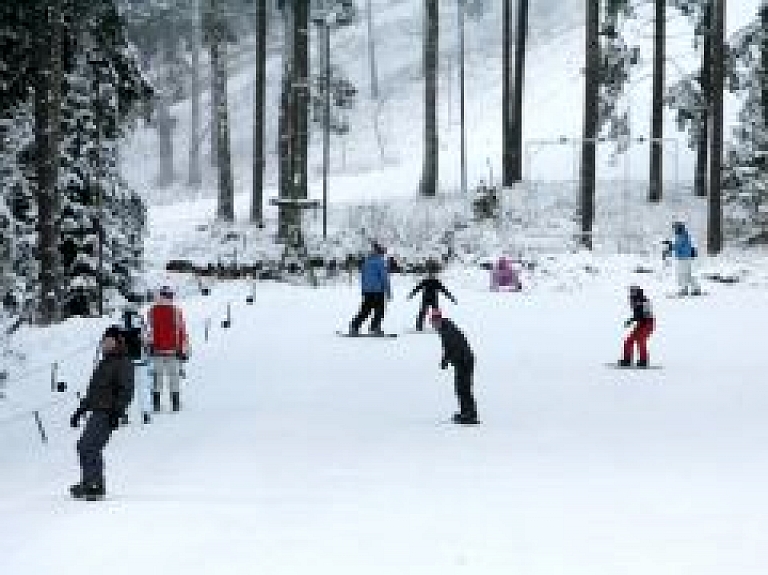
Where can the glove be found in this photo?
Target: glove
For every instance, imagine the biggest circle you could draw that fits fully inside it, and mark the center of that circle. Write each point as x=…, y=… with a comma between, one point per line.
x=74, y=421
x=628, y=323
x=114, y=419
x=455, y=301
x=183, y=356
x=444, y=364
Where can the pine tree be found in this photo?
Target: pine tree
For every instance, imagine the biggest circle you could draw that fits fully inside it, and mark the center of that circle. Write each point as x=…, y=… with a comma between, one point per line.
x=431, y=52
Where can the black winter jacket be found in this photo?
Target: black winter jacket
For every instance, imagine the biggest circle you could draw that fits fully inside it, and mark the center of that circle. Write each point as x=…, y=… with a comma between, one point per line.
x=429, y=288
x=111, y=385
x=456, y=349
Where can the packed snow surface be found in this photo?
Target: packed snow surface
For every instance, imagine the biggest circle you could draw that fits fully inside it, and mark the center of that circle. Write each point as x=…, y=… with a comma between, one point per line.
x=301, y=452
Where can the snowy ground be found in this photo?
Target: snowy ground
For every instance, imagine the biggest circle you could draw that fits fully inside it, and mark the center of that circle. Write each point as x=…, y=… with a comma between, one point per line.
x=300, y=452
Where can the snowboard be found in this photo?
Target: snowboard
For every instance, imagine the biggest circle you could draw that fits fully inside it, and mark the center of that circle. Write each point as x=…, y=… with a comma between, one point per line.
x=366, y=334
x=676, y=295
x=634, y=367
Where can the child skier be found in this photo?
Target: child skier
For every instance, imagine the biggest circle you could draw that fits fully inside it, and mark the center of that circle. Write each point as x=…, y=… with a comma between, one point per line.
x=644, y=324
x=169, y=346
x=456, y=351
x=109, y=393
x=429, y=287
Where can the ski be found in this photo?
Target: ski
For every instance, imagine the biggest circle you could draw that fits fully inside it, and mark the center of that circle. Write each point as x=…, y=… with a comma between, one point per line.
x=363, y=334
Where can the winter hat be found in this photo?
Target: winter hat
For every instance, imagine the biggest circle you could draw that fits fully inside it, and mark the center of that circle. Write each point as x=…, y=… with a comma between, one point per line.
x=166, y=291
x=114, y=332
x=378, y=248
x=679, y=227
x=635, y=291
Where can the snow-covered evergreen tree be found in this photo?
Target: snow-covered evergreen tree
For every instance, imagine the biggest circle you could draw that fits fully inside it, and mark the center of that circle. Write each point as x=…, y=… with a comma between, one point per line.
x=746, y=169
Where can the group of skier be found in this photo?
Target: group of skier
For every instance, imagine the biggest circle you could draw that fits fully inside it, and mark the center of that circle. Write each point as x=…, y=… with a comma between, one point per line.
x=144, y=353
x=137, y=354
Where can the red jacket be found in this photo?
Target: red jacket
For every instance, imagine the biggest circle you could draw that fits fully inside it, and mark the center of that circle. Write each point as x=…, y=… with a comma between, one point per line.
x=167, y=332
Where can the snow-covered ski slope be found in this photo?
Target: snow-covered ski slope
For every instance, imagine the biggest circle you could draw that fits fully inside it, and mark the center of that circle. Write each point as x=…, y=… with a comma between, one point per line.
x=299, y=452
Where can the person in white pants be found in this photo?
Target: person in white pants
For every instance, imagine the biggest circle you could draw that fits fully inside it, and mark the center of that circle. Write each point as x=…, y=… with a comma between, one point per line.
x=685, y=252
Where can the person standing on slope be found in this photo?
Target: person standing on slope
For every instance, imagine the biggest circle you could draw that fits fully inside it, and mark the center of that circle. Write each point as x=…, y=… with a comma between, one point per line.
x=684, y=251
x=456, y=352
x=168, y=345
x=108, y=396
x=430, y=288
x=376, y=289
x=133, y=330
x=644, y=324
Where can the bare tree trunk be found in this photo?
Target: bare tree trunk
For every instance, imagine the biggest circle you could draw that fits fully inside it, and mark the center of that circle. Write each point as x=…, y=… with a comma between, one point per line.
x=301, y=98
x=195, y=178
x=702, y=146
x=372, y=52
x=259, y=153
x=431, y=47
x=591, y=123
x=226, y=197
x=164, y=123
x=516, y=156
x=506, y=98
x=287, y=216
x=48, y=102
x=715, y=227
x=656, y=175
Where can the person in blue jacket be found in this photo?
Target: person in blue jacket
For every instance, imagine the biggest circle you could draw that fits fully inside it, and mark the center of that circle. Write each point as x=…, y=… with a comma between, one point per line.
x=684, y=251
x=374, y=280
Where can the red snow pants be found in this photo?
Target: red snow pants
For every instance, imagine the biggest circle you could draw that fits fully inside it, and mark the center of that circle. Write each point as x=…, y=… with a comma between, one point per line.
x=640, y=334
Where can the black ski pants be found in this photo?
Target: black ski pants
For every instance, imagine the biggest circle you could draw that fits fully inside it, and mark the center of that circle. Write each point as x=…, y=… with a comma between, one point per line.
x=91, y=444
x=372, y=302
x=463, y=373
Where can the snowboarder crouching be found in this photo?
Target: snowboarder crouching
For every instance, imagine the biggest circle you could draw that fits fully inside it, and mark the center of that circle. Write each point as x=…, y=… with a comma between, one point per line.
x=456, y=351
x=109, y=394
x=644, y=324
x=430, y=288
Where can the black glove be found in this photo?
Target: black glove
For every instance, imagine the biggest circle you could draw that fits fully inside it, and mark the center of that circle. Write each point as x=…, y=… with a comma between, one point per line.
x=74, y=421
x=114, y=419
x=628, y=323
x=443, y=363
x=182, y=356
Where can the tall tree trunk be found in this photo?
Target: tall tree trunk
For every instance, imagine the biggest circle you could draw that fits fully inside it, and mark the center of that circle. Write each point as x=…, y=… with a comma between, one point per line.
x=164, y=123
x=431, y=46
x=195, y=177
x=715, y=220
x=656, y=175
x=372, y=52
x=702, y=146
x=301, y=98
x=259, y=102
x=287, y=216
x=47, y=132
x=226, y=197
x=506, y=98
x=516, y=159
x=591, y=123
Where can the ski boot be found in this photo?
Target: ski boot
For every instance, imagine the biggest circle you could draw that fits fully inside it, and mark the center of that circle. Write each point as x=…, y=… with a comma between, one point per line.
x=464, y=419
x=175, y=401
x=77, y=491
x=642, y=363
x=88, y=491
x=377, y=331
x=625, y=363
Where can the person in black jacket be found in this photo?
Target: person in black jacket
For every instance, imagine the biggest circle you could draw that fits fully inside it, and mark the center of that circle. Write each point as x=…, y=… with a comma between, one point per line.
x=430, y=288
x=456, y=351
x=109, y=393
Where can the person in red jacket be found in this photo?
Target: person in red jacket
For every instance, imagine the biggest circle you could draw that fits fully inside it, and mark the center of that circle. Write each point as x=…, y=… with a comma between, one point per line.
x=644, y=324
x=168, y=346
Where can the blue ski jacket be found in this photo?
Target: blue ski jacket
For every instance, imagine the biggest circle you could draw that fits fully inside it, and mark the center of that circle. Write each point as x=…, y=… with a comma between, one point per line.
x=683, y=247
x=375, y=275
